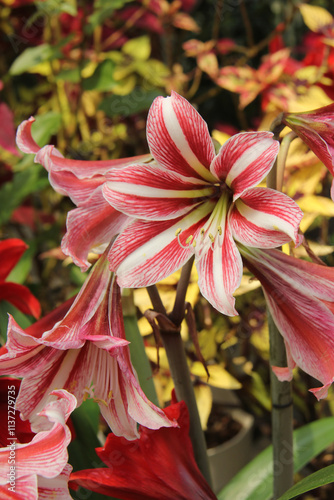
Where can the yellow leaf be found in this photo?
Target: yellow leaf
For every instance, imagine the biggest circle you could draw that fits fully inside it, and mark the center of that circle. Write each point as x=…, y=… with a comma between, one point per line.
x=307, y=221
x=247, y=284
x=315, y=17
x=305, y=180
x=221, y=137
x=125, y=86
x=43, y=68
x=203, y=397
x=317, y=204
x=138, y=48
x=313, y=98
x=316, y=248
x=152, y=356
x=219, y=377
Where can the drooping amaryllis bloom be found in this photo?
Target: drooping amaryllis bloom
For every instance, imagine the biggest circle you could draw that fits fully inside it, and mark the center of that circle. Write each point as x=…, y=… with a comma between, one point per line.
x=300, y=296
x=316, y=129
x=192, y=201
x=86, y=353
x=159, y=465
x=11, y=250
x=39, y=469
x=92, y=225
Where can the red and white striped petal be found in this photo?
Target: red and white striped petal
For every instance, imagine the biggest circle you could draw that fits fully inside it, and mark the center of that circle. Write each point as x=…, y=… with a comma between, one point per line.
x=220, y=272
x=244, y=160
x=265, y=218
x=179, y=138
x=148, y=251
x=24, y=139
x=300, y=296
x=55, y=488
x=91, y=227
x=46, y=454
x=52, y=160
x=151, y=192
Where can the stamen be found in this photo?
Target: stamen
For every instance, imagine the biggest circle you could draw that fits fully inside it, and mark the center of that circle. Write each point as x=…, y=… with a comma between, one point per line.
x=220, y=232
x=188, y=240
x=178, y=231
x=211, y=237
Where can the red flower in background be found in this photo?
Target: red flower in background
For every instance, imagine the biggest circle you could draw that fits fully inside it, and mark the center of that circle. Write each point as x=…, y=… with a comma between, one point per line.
x=158, y=465
x=20, y=296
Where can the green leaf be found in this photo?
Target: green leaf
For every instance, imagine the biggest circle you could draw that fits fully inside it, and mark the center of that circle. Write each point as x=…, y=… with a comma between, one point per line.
x=139, y=358
x=102, y=79
x=69, y=75
x=22, y=268
x=45, y=127
x=319, y=478
x=81, y=450
x=102, y=10
x=31, y=57
x=255, y=481
x=20, y=318
x=126, y=105
x=23, y=184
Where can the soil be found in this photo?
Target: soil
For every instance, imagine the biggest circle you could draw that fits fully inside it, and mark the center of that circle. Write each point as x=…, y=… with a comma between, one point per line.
x=221, y=426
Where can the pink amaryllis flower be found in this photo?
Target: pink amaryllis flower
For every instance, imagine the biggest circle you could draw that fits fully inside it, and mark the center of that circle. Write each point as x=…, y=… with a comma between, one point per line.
x=194, y=201
x=160, y=464
x=84, y=352
x=300, y=296
x=11, y=250
x=92, y=225
x=316, y=129
x=39, y=469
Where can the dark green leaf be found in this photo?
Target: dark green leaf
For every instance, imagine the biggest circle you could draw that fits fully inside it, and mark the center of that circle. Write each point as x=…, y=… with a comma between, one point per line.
x=23, y=184
x=315, y=480
x=45, y=127
x=102, y=78
x=135, y=102
x=255, y=481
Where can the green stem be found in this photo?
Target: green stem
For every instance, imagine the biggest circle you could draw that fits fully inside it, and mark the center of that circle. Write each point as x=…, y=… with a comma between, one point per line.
x=282, y=417
x=178, y=365
x=281, y=392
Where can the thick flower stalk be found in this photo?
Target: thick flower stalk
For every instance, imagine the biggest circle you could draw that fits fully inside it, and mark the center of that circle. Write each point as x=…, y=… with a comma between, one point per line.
x=159, y=465
x=192, y=201
x=316, y=129
x=300, y=296
x=11, y=250
x=84, y=352
x=39, y=469
x=93, y=224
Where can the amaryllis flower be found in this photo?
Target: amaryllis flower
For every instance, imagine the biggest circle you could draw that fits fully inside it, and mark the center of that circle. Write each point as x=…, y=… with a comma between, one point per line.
x=86, y=353
x=91, y=225
x=39, y=469
x=316, y=129
x=193, y=201
x=300, y=296
x=159, y=465
x=11, y=250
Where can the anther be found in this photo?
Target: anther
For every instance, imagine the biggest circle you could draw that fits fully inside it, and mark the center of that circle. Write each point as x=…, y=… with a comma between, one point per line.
x=178, y=231
x=220, y=230
x=211, y=237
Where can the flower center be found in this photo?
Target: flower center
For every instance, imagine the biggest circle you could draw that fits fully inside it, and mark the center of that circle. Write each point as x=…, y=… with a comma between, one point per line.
x=212, y=232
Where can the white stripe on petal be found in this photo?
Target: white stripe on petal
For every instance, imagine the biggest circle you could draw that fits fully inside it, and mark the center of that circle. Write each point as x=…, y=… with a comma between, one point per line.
x=265, y=220
x=249, y=155
x=176, y=133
